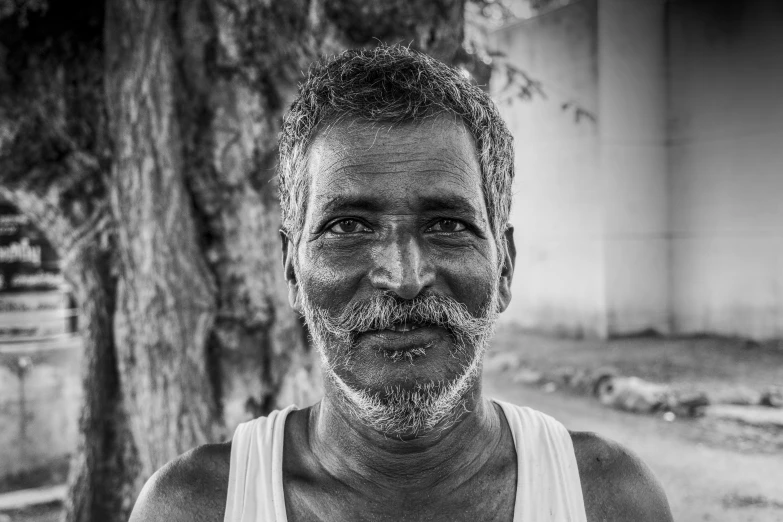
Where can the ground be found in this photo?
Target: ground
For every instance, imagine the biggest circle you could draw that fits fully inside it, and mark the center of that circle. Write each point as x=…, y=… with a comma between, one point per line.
x=43, y=513
x=711, y=471
x=700, y=362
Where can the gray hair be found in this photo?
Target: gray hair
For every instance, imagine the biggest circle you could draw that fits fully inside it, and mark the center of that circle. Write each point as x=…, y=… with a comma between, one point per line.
x=392, y=84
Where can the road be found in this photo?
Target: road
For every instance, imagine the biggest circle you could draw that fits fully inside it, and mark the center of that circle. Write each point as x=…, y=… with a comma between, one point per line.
x=703, y=481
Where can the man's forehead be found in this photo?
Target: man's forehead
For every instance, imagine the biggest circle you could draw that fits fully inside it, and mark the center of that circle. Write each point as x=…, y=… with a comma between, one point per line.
x=413, y=160
x=347, y=137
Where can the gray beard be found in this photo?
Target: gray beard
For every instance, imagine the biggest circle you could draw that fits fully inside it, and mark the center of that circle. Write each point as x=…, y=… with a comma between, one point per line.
x=399, y=412
x=396, y=411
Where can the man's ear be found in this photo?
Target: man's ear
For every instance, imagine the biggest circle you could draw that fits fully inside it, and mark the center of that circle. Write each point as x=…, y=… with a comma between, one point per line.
x=507, y=272
x=289, y=251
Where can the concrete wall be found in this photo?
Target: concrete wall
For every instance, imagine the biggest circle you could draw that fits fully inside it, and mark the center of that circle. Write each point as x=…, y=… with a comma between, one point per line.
x=665, y=213
x=590, y=208
x=726, y=166
x=557, y=215
x=40, y=390
x=39, y=412
x=633, y=164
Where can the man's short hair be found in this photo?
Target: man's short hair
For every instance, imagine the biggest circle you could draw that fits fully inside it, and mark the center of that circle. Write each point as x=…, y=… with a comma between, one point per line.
x=392, y=84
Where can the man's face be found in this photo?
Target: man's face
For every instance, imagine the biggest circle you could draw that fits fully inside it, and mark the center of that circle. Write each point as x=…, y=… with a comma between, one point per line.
x=396, y=269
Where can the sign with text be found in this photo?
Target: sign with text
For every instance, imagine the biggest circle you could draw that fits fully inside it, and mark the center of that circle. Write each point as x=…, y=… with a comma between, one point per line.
x=28, y=262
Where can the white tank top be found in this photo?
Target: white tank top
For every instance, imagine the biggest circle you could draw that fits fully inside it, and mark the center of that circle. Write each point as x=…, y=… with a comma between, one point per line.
x=548, y=485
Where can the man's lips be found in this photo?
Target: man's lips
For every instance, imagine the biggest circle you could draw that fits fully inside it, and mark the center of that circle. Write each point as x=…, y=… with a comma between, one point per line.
x=402, y=336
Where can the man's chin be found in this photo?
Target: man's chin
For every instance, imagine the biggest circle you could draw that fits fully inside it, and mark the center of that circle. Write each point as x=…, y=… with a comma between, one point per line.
x=404, y=412
x=396, y=392
x=408, y=408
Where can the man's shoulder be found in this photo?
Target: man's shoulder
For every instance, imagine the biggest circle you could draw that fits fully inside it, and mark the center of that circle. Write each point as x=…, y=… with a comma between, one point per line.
x=192, y=487
x=616, y=484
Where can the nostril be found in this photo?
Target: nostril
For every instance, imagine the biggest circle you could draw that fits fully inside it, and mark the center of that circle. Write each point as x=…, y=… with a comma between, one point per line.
x=402, y=269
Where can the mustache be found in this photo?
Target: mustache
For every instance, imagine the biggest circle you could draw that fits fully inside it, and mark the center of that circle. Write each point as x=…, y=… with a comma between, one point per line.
x=384, y=311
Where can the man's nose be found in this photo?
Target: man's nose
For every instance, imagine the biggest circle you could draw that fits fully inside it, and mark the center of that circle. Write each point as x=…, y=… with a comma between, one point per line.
x=402, y=267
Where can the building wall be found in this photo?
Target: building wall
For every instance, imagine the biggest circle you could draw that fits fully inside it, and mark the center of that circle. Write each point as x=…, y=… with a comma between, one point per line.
x=633, y=164
x=40, y=377
x=726, y=166
x=39, y=407
x=557, y=215
x=666, y=212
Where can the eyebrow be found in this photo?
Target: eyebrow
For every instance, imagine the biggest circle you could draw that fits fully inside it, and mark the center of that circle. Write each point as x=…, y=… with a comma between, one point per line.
x=451, y=202
x=343, y=203
x=448, y=202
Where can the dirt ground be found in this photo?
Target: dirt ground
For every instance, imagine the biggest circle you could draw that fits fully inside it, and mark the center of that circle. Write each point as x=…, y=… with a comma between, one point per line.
x=701, y=362
x=710, y=471
x=45, y=513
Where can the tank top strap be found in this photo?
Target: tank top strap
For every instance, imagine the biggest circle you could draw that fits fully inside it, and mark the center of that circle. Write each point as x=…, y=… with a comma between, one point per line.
x=548, y=484
x=255, y=480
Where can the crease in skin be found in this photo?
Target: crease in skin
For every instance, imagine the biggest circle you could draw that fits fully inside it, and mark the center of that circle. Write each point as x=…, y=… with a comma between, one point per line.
x=412, y=158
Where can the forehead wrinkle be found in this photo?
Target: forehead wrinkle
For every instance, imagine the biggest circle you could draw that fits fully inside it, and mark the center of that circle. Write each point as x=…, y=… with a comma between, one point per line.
x=334, y=183
x=331, y=193
x=449, y=163
x=353, y=131
x=460, y=204
x=319, y=154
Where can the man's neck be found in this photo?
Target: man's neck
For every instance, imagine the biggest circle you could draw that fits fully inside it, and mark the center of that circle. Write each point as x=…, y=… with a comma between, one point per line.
x=455, y=451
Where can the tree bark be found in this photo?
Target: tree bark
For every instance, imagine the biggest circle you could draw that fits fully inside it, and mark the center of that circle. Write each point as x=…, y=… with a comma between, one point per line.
x=166, y=297
x=105, y=470
x=158, y=121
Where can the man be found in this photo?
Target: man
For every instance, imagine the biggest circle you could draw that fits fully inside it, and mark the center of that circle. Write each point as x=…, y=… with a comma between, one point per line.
x=395, y=181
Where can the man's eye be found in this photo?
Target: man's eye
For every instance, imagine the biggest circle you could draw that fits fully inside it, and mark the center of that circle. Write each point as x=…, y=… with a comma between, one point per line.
x=348, y=226
x=447, y=225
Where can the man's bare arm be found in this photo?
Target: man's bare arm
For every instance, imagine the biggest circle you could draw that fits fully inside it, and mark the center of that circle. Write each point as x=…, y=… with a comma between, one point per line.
x=191, y=488
x=616, y=484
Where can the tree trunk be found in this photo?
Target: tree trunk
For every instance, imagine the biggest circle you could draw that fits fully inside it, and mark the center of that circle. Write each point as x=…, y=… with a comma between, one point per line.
x=188, y=326
x=105, y=470
x=166, y=296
